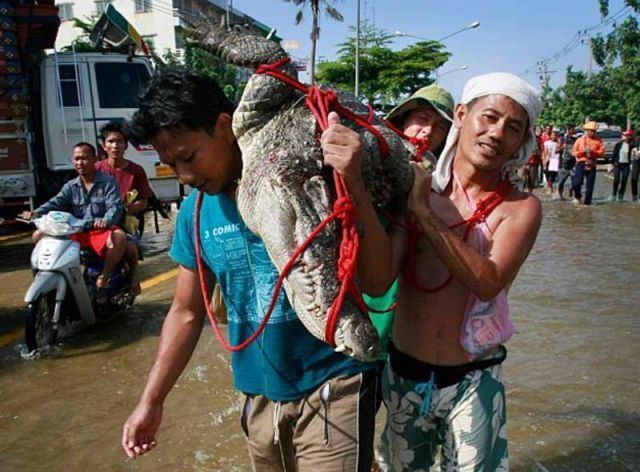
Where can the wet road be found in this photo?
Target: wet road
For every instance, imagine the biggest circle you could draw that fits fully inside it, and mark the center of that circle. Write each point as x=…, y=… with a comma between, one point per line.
x=572, y=373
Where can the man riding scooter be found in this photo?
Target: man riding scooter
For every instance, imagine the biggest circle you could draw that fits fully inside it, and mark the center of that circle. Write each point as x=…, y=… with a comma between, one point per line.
x=95, y=198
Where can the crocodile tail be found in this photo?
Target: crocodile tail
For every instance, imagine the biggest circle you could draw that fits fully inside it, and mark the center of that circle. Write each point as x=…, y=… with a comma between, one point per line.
x=235, y=46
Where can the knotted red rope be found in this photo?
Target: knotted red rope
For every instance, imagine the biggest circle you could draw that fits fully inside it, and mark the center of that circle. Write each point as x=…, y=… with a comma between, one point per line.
x=287, y=268
x=483, y=209
x=320, y=102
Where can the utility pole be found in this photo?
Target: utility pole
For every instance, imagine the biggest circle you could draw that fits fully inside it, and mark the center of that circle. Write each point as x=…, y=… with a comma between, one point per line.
x=228, y=15
x=544, y=74
x=357, y=79
x=590, y=56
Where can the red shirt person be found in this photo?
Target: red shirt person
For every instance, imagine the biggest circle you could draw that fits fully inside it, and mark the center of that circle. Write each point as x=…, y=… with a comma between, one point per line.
x=129, y=175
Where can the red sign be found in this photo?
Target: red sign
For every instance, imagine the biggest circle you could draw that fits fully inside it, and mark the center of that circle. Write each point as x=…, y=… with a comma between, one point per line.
x=14, y=154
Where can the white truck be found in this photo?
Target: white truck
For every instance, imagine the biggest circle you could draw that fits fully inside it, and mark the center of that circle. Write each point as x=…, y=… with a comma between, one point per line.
x=70, y=97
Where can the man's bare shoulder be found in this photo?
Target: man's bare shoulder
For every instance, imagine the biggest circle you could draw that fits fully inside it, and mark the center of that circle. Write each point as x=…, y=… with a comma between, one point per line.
x=523, y=206
x=523, y=200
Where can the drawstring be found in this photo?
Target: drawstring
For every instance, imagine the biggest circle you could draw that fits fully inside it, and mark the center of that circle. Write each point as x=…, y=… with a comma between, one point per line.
x=276, y=420
x=426, y=389
x=325, y=393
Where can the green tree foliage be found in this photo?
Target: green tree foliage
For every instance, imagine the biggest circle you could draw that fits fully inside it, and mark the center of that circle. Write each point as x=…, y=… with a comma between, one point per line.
x=612, y=95
x=203, y=61
x=581, y=97
x=413, y=67
x=82, y=43
x=386, y=76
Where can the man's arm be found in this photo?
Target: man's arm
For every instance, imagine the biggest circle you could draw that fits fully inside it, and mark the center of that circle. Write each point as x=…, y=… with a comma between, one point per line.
x=486, y=276
x=598, y=151
x=545, y=154
x=342, y=150
x=180, y=333
x=113, y=202
x=137, y=206
x=60, y=202
x=578, y=150
x=141, y=185
x=615, y=158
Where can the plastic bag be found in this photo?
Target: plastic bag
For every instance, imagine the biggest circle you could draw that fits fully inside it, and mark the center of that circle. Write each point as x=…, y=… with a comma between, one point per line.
x=130, y=223
x=486, y=325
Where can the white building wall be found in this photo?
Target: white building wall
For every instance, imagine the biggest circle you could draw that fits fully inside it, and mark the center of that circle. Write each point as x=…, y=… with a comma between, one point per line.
x=158, y=24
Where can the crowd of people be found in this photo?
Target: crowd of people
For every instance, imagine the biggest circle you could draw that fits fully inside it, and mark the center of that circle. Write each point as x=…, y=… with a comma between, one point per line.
x=566, y=155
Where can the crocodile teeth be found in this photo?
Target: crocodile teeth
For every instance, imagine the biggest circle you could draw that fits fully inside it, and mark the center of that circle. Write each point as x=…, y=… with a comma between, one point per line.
x=313, y=307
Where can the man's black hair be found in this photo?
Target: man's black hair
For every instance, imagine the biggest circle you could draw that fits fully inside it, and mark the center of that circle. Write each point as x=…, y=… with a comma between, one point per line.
x=92, y=149
x=112, y=127
x=177, y=98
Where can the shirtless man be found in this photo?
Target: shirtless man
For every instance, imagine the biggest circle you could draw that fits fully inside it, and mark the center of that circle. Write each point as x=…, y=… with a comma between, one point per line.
x=442, y=385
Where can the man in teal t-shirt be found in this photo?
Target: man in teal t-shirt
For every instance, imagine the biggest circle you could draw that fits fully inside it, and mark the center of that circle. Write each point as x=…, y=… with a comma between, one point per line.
x=427, y=114
x=305, y=407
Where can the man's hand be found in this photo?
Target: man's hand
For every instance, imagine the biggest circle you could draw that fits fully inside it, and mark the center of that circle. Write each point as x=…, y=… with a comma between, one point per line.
x=139, y=432
x=610, y=168
x=26, y=215
x=99, y=224
x=342, y=150
x=418, y=200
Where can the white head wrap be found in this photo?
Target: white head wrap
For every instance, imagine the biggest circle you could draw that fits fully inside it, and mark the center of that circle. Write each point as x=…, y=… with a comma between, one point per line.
x=501, y=83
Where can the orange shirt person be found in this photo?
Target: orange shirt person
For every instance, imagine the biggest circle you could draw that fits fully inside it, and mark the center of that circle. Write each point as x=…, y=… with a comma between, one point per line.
x=587, y=149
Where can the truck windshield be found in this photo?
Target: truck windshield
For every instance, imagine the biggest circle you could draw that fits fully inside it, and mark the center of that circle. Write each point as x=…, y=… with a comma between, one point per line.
x=120, y=84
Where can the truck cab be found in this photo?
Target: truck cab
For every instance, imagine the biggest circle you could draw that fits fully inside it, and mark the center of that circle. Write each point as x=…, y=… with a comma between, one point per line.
x=81, y=92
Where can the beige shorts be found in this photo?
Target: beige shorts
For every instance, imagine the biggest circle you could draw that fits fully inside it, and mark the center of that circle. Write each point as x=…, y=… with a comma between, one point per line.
x=331, y=429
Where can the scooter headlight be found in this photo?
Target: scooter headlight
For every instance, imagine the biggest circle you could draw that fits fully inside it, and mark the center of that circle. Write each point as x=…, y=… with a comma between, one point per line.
x=56, y=223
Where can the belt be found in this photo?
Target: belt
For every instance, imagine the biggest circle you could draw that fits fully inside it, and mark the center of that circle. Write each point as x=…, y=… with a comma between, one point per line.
x=410, y=368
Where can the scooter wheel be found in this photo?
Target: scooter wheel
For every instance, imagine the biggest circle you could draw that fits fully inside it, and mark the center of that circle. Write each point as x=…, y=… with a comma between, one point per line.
x=39, y=328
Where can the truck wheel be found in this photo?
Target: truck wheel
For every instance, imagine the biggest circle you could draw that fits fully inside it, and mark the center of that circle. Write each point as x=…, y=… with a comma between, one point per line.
x=39, y=329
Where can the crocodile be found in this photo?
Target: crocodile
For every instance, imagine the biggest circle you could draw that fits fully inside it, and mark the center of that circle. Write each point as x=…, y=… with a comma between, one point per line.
x=285, y=190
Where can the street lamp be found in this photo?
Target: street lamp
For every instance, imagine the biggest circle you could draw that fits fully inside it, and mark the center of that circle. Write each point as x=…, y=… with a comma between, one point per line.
x=473, y=25
x=449, y=72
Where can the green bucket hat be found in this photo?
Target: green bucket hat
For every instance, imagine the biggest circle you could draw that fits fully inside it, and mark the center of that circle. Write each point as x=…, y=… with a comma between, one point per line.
x=431, y=95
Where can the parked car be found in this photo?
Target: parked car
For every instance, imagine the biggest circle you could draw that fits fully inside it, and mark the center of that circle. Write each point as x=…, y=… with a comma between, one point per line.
x=609, y=138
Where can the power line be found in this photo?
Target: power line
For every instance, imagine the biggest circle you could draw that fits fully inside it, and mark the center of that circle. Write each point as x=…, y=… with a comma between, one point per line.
x=577, y=40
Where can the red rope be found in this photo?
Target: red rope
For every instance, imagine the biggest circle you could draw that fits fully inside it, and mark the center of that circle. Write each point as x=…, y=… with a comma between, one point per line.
x=287, y=268
x=422, y=145
x=482, y=211
x=320, y=102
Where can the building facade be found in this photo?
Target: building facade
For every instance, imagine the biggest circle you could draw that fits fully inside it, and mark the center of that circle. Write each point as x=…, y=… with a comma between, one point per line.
x=157, y=21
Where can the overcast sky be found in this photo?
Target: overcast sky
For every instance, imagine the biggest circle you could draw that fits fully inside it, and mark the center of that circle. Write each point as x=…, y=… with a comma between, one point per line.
x=512, y=36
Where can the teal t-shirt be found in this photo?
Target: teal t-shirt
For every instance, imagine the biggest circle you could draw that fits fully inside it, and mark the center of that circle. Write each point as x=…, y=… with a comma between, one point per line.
x=286, y=362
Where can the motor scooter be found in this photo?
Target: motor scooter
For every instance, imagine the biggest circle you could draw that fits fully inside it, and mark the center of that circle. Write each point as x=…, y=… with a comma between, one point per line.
x=64, y=285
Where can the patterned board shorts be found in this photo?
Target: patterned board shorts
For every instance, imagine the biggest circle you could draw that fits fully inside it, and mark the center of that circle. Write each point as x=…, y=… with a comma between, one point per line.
x=463, y=428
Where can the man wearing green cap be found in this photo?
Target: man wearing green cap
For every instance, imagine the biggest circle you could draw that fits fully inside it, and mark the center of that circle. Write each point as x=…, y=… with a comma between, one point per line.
x=427, y=114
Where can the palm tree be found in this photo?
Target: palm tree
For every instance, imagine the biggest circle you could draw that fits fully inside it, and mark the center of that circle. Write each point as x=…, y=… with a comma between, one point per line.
x=315, y=29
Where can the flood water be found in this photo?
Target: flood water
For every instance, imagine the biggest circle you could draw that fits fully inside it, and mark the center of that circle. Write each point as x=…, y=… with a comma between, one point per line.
x=572, y=372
